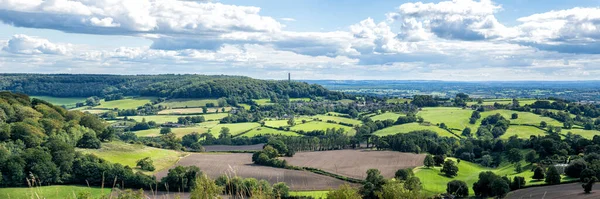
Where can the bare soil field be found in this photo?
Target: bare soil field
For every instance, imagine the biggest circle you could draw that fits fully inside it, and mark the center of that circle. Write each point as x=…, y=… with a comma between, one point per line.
x=240, y=164
x=355, y=163
x=216, y=148
x=571, y=191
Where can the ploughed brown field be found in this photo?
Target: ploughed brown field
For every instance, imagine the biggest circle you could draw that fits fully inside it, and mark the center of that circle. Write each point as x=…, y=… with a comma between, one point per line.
x=240, y=164
x=355, y=163
x=570, y=191
x=215, y=148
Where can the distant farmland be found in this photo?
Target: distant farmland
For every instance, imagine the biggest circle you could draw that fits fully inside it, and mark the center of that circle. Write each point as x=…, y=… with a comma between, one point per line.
x=355, y=163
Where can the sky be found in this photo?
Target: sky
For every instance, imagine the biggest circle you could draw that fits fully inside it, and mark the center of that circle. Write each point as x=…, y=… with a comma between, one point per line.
x=456, y=40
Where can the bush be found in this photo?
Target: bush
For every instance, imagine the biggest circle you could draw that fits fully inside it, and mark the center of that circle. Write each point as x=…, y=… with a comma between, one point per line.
x=457, y=188
x=449, y=169
x=165, y=130
x=145, y=164
x=404, y=174
x=281, y=190
x=552, y=175
x=575, y=168
x=89, y=141
x=517, y=183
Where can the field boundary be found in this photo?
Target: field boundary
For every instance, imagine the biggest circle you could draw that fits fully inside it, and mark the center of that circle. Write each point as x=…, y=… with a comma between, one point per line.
x=325, y=173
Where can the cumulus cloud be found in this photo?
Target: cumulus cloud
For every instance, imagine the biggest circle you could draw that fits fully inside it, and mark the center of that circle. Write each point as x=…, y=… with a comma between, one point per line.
x=456, y=19
x=23, y=44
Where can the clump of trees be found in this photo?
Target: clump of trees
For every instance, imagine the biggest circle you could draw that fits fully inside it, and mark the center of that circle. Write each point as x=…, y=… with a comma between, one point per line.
x=145, y=164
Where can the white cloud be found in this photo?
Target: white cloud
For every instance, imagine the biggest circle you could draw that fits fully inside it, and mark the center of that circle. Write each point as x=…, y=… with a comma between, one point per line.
x=287, y=19
x=23, y=44
x=456, y=19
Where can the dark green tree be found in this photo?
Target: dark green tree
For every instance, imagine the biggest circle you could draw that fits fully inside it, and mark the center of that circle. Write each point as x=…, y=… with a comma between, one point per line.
x=552, y=175
x=429, y=162
x=538, y=173
x=457, y=188
x=449, y=168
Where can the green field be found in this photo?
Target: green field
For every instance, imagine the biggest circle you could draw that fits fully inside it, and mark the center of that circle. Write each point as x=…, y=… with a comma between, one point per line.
x=524, y=117
x=523, y=132
x=94, y=111
x=311, y=126
x=339, y=119
x=277, y=123
x=129, y=154
x=66, y=101
x=179, y=132
x=434, y=182
x=52, y=192
x=490, y=102
x=269, y=131
x=126, y=103
x=386, y=116
x=234, y=129
x=589, y=134
x=161, y=119
x=398, y=101
x=455, y=118
x=345, y=101
x=406, y=128
x=183, y=103
x=314, y=194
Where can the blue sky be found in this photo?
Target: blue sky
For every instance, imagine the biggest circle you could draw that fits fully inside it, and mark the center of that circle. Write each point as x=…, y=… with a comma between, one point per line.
x=465, y=40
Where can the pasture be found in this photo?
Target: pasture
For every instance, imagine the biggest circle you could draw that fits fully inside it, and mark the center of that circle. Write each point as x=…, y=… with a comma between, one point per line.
x=524, y=117
x=60, y=101
x=186, y=111
x=240, y=164
x=52, y=192
x=131, y=103
x=386, y=116
x=434, y=182
x=186, y=102
x=179, y=132
x=345, y=120
x=398, y=101
x=406, y=128
x=589, y=134
x=355, y=163
x=454, y=118
x=94, y=111
x=490, y=102
x=217, y=148
x=161, y=119
x=129, y=154
x=311, y=126
x=268, y=131
x=278, y=123
x=523, y=132
x=234, y=129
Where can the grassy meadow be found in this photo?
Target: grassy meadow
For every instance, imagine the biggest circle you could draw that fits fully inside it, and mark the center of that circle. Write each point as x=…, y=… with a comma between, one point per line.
x=161, y=119
x=311, y=126
x=131, y=103
x=186, y=102
x=129, y=154
x=268, y=131
x=234, y=129
x=179, y=132
x=523, y=132
x=434, y=182
x=345, y=120
x=60, y=101
x=52, y=192
x=185, y=111
x=386, y=116
x=406, y=128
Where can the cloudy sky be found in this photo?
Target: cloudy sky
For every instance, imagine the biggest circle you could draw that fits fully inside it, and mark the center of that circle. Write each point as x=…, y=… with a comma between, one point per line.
x=461, y=40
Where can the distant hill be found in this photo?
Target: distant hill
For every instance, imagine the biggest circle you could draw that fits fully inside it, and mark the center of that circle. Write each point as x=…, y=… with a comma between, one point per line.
x=169, y=85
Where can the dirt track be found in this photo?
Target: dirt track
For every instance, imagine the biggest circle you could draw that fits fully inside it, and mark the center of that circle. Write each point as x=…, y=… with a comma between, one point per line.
x=240, y=164
x=570, y=191
x=355, y=163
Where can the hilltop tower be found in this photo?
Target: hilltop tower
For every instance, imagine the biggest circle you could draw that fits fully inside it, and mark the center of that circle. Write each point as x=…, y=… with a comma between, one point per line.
x=289, y=77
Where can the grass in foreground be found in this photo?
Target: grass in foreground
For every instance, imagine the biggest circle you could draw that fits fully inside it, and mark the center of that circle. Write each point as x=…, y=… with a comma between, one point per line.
x=314, y=194
x=406, y=128
x=52, y=192
x=125, y=103
x=269, y=131
x=129, y=154
x=311, y=126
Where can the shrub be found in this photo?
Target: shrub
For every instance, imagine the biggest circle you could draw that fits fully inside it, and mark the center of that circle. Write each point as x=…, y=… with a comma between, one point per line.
x=457, y=188
x=145, y=164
